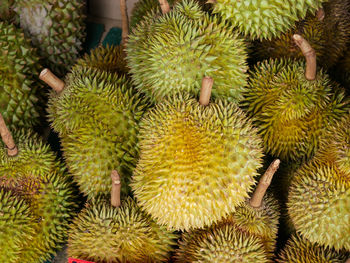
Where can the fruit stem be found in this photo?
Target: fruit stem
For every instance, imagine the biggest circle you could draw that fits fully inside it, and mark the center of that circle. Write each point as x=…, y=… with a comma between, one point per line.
x=207, y=84
x=309, y=54
x=348, y=261
x=52, y=80
x=125, y=22
x=164, y=5
x=116, y=185
x=7, y=138
x=265, y=181
x=320, y=14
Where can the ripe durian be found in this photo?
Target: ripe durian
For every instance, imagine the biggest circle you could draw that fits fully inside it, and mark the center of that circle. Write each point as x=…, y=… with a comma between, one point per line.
x=103, y=233
x=30, y=169
x=292, y=110
x=327, y=31
x=196, y=163
x=319, y=195
x=57, y=29
x=299, y=250
x=19, y=99
x=171, y=53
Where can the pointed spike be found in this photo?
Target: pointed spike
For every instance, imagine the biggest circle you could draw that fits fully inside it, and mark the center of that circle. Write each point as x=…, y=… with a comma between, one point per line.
x=116, y=185
x=7, y=138
x=309, y=54
x=52, y=80
x=207, y=84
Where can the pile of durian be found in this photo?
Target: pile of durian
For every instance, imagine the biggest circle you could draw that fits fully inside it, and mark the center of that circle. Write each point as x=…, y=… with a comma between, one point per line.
x=216, y=131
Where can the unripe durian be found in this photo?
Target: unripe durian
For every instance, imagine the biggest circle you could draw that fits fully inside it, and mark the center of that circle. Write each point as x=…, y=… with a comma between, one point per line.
x=299, y=250
x=57, y=29
x=172, y=53
x=291, y=109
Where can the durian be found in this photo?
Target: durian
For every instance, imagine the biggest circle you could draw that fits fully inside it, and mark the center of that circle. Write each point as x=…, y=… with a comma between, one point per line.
x=264, y=19
x=57, y=29
x=171, y=53
x=196, y=163
x=19, y=97
x=291, y=110
x=6, y=10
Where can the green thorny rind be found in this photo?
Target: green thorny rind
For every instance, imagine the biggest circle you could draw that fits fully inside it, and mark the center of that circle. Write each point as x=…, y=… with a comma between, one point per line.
x=292, y=113
x=6, y=11
x=57, y=29
x=172, y=53
x=267, y=18
x=102, y=233
x=36, y=176
x=196, y=163
x=96, y=141
x=19, y=103
x=327, y=37
x=299, y=250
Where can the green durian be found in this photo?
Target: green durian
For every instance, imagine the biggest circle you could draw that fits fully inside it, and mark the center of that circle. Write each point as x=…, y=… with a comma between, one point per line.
x=15, y=226
x=19, y=96
x=57, y=29
x=319, y=195
x=264, y=19
x=6, y=11
x=291, y=112
x=171, y=53
x=96, y=116
x=102, y=233
x=37, y=177
x=299, y=250
x=328, y=36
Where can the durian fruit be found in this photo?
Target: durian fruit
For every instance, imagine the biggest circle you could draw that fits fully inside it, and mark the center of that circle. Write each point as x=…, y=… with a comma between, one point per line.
x=264, y=19
x=171, y=53
x=327, y=31
x=30, y=169
x=299, y=250
x=341, y=72
x=197, y=162
x=56, y=28
x=104, y=233
x=292, y=110
x=19, y=98
x=96, y=114
x=319, y=195
x=6, y=10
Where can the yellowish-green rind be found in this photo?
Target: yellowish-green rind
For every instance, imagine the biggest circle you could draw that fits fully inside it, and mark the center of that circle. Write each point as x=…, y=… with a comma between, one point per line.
x=102, y=233
x=171, y=53
x=196, y=163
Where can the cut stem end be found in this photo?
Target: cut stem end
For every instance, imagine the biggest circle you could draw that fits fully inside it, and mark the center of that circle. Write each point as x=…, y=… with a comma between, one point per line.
x=309, y=54
x=164, y=5
x=207, y=85
x=7, y=138
x=52, y=80
x=116, y=187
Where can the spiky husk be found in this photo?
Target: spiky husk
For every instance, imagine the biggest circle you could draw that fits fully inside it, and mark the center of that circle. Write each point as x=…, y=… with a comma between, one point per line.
x=341, y=72
x=102, y=233
x=109, y=58
x=95, y=140
x=196, y=163
x=220, y=243
x=264, y=19
x=299, y=250
x=6, y=11
x=36, y=176
x=328, y=37
x=19, y=104
x=292, y=113
x=57, y=29
x=15, y=226
x=171, y=53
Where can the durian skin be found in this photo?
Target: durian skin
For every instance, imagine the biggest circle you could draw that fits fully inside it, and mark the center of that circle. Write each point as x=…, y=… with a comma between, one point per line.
x=102, y=233
x=19, y=99
x=36, y=176
x=299, y=250
x=264, y=19
x=292, y=113
x=196, y=163
x=15, y=226
x=6, y=10
x=172, y=53
x=57, y=29
x=97, y=116
x=328, y=37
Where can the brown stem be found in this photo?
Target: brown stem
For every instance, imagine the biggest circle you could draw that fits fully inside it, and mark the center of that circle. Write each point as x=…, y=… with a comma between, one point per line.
x=263, y=184
x=320, y=14
x=7, y=138
x=207, y=84
x=309, y=54
x=125, y=22
x=116, y=185
x=348, y=261
x=164, y=5
x=52, y=80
